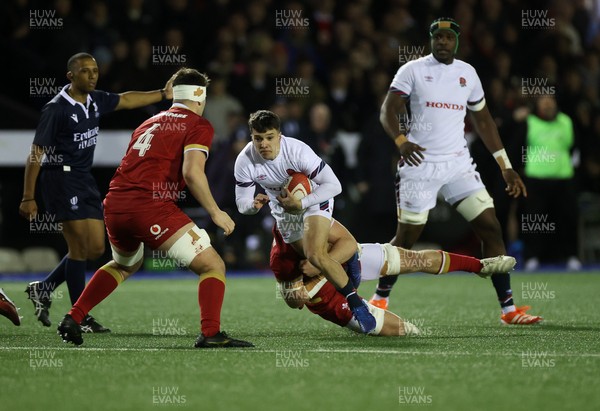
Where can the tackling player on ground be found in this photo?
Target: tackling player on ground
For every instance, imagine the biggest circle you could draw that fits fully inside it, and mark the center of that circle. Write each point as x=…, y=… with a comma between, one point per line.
x=60, y=163
x=435, y=157
x=301, y=284
x=167, y=153
x=268, y=160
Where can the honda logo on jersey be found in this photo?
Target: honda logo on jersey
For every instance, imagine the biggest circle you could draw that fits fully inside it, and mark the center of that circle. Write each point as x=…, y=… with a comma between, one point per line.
x=449, y=106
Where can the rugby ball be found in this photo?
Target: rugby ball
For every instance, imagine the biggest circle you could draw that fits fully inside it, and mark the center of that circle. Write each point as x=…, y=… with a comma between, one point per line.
x=298, y=185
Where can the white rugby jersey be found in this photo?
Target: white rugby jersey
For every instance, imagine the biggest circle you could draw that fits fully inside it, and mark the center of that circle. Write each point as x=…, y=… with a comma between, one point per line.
x=439, y=97
x=294, y=156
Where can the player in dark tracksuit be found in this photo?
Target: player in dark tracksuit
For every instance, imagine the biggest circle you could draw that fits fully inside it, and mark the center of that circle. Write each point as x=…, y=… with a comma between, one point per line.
x=61, y=160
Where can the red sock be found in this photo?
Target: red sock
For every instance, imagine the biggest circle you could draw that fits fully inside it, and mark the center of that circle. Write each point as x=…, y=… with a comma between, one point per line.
x=100, y=286
x=211, y=291
x=459, y=262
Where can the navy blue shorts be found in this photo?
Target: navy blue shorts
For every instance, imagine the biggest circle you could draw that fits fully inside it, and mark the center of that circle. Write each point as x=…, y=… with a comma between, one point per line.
x=70, y=195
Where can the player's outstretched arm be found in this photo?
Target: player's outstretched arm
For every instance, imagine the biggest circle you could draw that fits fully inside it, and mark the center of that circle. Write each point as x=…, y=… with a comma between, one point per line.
x=135, y=99
x=195, y=178
x=28, y=206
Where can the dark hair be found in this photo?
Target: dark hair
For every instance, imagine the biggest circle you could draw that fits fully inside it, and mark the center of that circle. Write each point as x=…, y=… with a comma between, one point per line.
x=76, y=57
x=191, y=77
x=263, y=120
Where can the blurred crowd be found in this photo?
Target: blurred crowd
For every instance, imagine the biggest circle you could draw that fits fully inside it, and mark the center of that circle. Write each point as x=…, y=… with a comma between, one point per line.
x=324, y=66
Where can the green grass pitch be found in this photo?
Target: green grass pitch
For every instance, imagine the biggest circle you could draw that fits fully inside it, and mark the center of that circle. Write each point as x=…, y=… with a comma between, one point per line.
x=464, y=361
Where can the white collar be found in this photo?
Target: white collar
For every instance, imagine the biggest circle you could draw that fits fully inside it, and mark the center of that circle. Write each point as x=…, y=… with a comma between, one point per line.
x=70, y=99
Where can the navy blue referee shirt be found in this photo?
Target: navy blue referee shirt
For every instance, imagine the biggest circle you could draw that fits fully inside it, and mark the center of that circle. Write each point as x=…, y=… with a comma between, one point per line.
x=68, y=130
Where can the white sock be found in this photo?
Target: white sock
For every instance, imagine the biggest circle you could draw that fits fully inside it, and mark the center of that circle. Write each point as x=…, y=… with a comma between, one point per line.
x=377, y=297
x=509, y=309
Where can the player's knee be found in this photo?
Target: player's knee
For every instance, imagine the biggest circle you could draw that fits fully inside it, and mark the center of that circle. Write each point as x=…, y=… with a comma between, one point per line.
x=95, y=252
x=129, y=271
x=78, y=252
x=218, y=265
x=208, y=263
x=475, y=204
x=488, y=227
x=493, y=228
x=130, y=263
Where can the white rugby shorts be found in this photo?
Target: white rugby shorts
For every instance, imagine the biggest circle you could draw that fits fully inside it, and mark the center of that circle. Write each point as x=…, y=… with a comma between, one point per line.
x=417, y=187
x=291, y=226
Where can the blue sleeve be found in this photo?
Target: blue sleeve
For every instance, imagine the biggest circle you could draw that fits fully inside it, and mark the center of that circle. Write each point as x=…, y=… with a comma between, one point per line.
x=105, y=101
x=49, y=126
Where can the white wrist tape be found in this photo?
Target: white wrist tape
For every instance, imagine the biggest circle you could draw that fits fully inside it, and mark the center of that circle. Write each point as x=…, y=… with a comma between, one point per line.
x=502, y=159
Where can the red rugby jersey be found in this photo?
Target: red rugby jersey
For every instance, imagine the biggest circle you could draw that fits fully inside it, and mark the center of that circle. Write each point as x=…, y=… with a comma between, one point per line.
x=151, y=171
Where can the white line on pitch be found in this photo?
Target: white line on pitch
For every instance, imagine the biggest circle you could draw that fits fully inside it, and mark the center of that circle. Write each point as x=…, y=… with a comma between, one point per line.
x=318, y=351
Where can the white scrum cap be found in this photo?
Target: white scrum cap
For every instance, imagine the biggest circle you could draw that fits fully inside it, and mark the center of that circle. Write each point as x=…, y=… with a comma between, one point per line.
x=189, y=92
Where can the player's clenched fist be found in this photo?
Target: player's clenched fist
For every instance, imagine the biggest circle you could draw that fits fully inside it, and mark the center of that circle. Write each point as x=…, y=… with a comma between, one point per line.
x=289, y=203
x=28, y=209
x=260, y=200
x=222, y=220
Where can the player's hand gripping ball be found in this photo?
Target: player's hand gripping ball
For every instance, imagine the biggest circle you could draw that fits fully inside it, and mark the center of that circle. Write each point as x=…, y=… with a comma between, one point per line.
x=299, y=186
